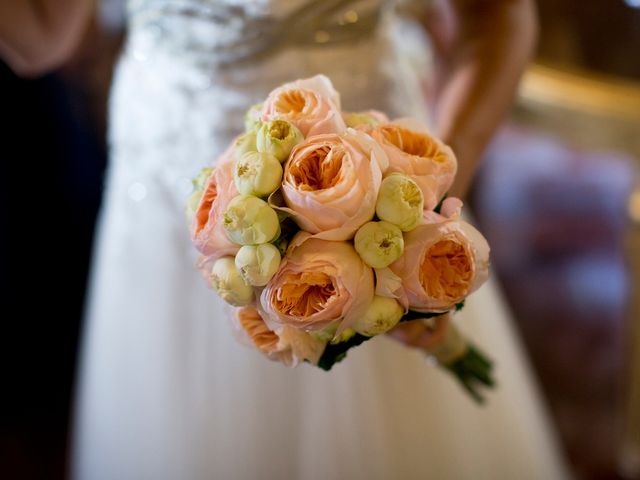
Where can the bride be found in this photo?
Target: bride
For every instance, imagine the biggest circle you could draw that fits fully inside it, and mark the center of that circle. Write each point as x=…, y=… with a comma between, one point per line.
x=164, y=390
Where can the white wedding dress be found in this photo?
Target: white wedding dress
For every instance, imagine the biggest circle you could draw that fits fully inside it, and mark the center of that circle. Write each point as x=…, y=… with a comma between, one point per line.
x=164, y=390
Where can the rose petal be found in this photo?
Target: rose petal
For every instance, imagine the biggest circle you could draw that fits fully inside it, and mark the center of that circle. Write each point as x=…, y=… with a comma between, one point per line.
x=388, y=284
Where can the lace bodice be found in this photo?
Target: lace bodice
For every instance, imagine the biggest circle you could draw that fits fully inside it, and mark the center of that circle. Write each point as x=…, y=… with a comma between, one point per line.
x=230, y=32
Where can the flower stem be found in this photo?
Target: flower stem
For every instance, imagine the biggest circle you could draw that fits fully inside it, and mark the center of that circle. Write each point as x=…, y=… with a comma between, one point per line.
x=474, y=371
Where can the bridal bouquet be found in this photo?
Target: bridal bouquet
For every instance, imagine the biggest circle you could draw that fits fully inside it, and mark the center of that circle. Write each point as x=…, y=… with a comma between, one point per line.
x=324, y=228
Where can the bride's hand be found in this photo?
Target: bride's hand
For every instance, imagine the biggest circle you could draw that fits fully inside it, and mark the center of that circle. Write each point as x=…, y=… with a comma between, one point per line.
x=420, y=334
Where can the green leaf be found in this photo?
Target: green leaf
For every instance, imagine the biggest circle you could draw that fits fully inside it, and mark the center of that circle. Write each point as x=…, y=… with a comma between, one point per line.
x=336, y=353
x=288, y=229
x=473, y=371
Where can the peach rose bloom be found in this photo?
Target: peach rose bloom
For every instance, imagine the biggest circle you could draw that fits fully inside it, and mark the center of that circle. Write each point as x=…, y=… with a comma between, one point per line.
x=286, y=345
x=311, y=104
x=206, y=230
x=331, y=183
x=319, y=283
x=442, y=264
x=414, y=152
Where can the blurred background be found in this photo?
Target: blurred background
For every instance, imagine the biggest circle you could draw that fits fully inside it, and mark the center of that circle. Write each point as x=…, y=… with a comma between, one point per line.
x=558, y=197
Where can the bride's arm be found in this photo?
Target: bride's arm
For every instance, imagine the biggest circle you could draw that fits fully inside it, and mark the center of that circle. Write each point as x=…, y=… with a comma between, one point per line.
x=481, y=48
x=39, y=35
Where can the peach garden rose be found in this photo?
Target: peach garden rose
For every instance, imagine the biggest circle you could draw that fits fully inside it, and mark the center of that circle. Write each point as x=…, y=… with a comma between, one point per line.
x=331, y=183
x=319, y=283
x=286, y=345
x=441, y=265
x=312, y=105
x=416, y=153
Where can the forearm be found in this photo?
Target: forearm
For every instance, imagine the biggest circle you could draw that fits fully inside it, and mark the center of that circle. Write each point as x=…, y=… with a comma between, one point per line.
x=479, y=64
x=480, y=67
x=38, y=35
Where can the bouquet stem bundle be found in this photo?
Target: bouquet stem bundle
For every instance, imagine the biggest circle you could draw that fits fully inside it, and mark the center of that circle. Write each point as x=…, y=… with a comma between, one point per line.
x=325, y=228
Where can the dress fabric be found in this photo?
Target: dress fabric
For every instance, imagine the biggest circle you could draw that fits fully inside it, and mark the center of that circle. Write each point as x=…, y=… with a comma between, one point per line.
x=164, y=390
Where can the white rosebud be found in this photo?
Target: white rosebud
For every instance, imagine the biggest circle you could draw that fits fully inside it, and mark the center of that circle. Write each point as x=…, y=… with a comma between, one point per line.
x=249, y=220
x=278, y=137
x=245, y=143
x=382, y=315
x=226, y=280
x=258, y=263
x=258, y=174
x=400, y=201
x=198, y=188
x=379, y=244
x=252, y=120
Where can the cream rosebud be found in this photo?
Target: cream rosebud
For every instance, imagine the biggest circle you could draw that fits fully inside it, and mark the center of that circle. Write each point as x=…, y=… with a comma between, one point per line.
x=252, y=120
x=400, y=201
x=245, y=143
x=356, y=119
x=344, y=336
x=226, y=280
x=249, y=220
x=278, y=137
x=198, y=189
x=383, y=314
x=328, y=334
x=257, y=174
x=379, y=244
x=258, y=263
